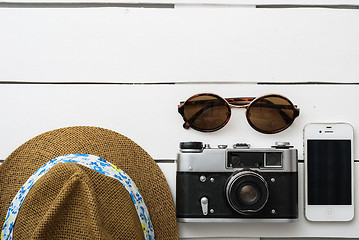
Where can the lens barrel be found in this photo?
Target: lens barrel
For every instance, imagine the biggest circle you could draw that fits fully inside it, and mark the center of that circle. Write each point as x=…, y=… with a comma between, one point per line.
x=247, y=192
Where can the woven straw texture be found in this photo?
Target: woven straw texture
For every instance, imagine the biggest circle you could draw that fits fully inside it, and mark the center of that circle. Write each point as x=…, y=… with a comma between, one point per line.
x=74, y=202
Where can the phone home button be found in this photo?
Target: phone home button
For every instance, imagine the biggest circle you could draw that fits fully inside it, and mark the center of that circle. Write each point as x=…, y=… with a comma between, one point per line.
x=330, y=212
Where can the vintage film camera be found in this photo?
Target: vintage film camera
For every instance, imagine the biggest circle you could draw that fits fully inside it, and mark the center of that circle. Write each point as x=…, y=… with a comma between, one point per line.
x=240, y=184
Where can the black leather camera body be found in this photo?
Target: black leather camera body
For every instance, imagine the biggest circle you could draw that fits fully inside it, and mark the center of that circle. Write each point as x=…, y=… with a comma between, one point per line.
x=240, y=184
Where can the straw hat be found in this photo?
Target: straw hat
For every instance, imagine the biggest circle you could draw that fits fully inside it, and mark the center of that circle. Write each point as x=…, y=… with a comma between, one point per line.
x=74, y=202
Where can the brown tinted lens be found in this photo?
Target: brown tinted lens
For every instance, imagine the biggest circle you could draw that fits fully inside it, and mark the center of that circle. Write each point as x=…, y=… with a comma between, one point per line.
x=206, y=112
x=271, y=114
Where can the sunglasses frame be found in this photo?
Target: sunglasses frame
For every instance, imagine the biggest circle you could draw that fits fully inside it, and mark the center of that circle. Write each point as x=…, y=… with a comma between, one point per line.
x=240, y=102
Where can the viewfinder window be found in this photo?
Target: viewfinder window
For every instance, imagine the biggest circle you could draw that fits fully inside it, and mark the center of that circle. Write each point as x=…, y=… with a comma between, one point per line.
x=273, y=159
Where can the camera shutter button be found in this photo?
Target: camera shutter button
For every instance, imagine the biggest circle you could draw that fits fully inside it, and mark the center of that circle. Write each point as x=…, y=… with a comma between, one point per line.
x=204, y=205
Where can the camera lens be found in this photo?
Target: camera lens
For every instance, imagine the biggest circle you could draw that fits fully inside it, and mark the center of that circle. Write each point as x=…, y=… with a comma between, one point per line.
x=248, y=193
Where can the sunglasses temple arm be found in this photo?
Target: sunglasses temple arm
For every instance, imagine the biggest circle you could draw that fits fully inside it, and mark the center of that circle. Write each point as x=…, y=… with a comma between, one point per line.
x=283, y=114
x=180, y=110
x=186, y=125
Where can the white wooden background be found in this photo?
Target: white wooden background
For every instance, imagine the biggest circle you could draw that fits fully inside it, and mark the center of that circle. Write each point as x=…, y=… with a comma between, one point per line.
x=179, y=45
x=147, y=60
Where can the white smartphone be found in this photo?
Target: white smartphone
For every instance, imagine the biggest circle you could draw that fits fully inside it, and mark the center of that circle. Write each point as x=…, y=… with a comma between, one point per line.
x=329, y=172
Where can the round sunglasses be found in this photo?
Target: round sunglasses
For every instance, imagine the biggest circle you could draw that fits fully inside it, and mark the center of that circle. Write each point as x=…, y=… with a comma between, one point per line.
x=208, y=112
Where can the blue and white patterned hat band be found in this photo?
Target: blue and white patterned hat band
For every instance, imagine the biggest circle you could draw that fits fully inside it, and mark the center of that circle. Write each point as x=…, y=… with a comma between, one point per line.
x=95, y=163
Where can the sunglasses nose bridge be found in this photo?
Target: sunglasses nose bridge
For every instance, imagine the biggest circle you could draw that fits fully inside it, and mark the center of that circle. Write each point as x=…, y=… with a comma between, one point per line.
x=238, y=106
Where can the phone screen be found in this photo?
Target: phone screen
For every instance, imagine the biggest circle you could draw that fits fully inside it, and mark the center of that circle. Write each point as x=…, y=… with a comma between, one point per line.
x=329, y=172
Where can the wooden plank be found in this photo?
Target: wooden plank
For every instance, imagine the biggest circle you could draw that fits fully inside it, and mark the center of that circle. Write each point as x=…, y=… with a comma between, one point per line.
x=148, y=113
x=127, y=45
